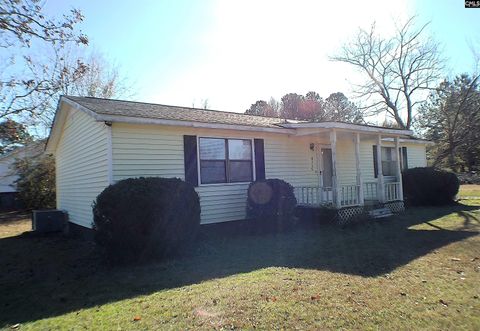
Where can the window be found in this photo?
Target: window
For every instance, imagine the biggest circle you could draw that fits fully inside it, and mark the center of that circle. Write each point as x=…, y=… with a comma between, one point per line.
x=389, y=161
x=225, y=160
x=403, y=158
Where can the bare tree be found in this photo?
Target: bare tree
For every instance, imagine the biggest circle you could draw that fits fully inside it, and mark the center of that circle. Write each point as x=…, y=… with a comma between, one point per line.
x=101, y=78
x=25, y=81
x=22, y=21
x=76, y=73
x=203, y=104
x=275, y=105
x=397, y=70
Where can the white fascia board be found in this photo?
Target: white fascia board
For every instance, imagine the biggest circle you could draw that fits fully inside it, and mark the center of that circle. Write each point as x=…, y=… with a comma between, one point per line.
x=80, y=107
x=60, y=116
x=143, y=120
x=348, y=127
x=411, y=141
x=56, y=128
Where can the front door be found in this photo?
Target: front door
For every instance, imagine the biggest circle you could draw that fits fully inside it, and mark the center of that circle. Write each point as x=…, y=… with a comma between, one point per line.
x=327, y=168
x=324, y=161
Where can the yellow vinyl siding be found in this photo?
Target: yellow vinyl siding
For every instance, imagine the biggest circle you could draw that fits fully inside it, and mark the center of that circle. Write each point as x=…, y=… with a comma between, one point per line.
x=140, y=150
x=346, y=163
x=290, y=159
x=416, y=154
x=366, y=161
x=81, y=165
x=154, y=150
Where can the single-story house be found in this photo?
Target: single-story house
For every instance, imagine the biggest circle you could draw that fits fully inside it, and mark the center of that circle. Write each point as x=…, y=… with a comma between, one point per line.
x=9, y=175
x=97, y=142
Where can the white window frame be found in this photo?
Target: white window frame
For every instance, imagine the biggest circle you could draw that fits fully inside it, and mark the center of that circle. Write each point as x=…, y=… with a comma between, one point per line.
x=254, y=175
x=392, y=149
x=402, y=163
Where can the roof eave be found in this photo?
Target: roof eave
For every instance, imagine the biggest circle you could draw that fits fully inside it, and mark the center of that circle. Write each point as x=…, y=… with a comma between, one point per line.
x=191, y=124
x=349, y=127
x=53, y=136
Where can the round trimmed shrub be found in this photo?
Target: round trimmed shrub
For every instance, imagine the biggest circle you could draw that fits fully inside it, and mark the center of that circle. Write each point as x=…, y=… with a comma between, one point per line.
x=138, y=219
x=429, y=187
x=271, y=204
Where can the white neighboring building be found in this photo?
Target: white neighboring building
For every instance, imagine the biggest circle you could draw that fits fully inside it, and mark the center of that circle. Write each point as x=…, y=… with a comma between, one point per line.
x=8, y=175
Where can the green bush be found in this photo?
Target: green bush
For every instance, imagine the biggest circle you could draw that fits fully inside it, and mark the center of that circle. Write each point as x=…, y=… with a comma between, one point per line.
x=36, y=181
x=140, y=219
x=271, y=204
x=429, y=187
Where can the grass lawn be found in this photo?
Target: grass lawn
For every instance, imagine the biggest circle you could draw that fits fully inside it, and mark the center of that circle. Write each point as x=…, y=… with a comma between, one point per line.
x=469, y=190
x=417, y=270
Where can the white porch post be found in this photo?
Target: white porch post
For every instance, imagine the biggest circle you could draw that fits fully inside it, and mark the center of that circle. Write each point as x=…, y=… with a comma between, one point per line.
x=381, y=182
x=361, y=199
x=399, y=169
x=333, y=146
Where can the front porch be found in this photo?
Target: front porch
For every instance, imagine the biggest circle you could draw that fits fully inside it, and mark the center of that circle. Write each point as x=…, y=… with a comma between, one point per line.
x=357, y=168
x=348, y=195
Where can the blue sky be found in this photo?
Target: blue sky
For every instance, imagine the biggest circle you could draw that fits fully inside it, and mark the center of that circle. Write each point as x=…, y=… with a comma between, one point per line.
x=236, y=52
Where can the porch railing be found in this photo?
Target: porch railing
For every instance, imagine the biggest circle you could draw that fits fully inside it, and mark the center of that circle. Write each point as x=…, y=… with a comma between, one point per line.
x=313, y=195
x=370, y=190
x=349, y=195
x=392, y=191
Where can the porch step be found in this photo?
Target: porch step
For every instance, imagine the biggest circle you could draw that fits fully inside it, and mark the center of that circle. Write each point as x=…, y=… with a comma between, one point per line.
x=380, y=212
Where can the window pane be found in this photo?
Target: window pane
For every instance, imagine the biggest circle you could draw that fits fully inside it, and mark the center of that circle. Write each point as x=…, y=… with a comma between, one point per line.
x=394, y=154
x=212, y=172
x=239, y=149
x=212, y=149
x=384, y=168
x=404, y=158
x=386, y=154
x=389, y=168
x=241, y=171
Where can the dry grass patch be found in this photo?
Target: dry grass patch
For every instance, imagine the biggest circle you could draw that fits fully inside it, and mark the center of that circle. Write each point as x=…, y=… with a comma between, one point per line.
x=469, y=190
x=14, y=223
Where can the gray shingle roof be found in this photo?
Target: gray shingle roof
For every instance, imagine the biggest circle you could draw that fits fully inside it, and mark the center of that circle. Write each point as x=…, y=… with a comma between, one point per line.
x=158, y=111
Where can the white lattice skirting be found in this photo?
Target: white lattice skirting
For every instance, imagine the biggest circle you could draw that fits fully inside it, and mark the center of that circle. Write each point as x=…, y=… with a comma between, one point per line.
x=395, y=206
x=346, y=215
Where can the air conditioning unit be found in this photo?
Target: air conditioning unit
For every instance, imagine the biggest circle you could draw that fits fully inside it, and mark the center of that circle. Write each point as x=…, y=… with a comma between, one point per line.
x=52, y=220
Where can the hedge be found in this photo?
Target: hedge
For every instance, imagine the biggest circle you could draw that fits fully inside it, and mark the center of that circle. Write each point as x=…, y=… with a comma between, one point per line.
x=271, y=204
x=429, y=187
x=143, y=218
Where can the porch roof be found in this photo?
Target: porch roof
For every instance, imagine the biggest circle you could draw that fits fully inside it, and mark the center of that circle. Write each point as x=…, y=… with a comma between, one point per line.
x=303, y=129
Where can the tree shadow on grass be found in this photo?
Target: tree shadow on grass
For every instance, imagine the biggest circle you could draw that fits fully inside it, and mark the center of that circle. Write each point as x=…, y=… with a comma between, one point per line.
x=43, y=276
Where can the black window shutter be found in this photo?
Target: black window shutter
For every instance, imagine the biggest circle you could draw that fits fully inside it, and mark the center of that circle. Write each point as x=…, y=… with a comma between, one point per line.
x=259, y=159
x=190, y=159
x=405, y=158
x=375, y=164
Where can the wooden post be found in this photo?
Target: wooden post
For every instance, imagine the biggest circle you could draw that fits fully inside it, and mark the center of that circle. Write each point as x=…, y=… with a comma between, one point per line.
x=399, y=169
x=361, y=199
x=381, y=182
x=333, y=146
